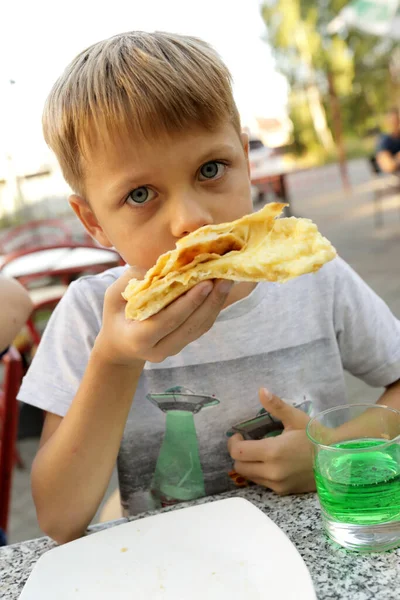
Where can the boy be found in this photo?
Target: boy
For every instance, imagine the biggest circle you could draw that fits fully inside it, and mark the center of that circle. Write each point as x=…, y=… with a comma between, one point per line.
x=148, y=136
x=388, y=150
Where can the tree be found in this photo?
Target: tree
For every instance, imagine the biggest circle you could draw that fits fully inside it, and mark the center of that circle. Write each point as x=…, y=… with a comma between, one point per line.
x=350, y=75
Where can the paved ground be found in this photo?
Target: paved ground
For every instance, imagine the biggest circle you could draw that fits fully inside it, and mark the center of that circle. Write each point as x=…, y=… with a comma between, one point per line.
x=346, y=218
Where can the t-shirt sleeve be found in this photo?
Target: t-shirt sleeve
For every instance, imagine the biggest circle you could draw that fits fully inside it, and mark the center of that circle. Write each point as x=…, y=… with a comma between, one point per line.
x=61, y=358
x=368, y=333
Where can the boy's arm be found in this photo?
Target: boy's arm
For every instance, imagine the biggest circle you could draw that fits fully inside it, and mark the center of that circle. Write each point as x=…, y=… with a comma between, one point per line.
x=73, y=467
x=368, y=336
x=387, y=162
x=74, y=464
x=391, y=396
x=16, y=306
x=367, y=424
x=285, y=463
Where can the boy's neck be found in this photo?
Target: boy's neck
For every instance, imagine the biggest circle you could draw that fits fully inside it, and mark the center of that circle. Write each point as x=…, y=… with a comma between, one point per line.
x=239, y=291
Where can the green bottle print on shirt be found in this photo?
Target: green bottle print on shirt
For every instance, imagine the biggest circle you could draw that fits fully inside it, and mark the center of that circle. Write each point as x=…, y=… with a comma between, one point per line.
x=178, y=474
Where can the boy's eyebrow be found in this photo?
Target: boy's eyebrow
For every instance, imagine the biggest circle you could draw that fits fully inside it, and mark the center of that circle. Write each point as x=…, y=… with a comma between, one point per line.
x=124, y=183
x=215, y=152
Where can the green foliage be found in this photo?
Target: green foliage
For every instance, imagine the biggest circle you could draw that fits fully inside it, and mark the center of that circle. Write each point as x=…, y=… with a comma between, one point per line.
x=303, y=133
x=305, y=53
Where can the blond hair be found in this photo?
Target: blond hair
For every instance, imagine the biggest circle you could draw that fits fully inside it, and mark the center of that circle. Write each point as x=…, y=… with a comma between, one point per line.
x=136, y=83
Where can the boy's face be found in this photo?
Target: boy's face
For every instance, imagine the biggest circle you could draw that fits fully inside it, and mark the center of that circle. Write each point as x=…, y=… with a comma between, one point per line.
x=143, y=196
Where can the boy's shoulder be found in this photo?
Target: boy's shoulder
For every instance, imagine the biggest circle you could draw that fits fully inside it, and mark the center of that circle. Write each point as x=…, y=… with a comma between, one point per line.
x=85, y=296
x=101, y=281
x=94, y=286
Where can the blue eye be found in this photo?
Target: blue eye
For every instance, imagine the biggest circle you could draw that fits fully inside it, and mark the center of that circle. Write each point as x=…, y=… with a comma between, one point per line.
x=212, y=170
x=140, y=195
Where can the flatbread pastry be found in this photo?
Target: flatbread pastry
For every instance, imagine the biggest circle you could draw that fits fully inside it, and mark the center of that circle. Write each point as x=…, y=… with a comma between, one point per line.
x=256, y=247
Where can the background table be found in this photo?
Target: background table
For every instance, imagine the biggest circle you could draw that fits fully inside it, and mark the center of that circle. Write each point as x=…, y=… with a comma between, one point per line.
x=272, y=175
x=337, y=574
x=60, y=260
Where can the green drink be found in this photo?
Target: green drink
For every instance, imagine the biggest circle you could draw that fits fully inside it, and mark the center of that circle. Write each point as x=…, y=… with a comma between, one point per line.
x=360, y=487
x=357, y=474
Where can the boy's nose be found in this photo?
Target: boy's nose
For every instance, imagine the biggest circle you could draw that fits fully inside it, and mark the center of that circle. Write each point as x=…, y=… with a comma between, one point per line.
x=187, y=216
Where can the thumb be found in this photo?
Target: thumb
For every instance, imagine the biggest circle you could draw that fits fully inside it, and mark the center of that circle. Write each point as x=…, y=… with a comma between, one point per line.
x=114, y=294
x=291, y=417
x=233, y=440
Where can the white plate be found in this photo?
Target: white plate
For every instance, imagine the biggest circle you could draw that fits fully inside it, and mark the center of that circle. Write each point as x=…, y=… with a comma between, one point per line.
x=224, y=550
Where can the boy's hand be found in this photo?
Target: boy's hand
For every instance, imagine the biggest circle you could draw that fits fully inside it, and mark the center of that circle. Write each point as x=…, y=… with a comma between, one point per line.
x=282, y=463
x=125, y=342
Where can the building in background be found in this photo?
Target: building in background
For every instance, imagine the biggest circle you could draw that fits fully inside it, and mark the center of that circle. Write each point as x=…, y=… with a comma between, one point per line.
x=32, y=185
x=32, y=193
x=275, y=132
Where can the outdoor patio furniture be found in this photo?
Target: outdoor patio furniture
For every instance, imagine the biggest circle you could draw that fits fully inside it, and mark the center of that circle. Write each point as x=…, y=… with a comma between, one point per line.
x=43, y=232
x=8, y=429
x=272, y=176
x=63, y=262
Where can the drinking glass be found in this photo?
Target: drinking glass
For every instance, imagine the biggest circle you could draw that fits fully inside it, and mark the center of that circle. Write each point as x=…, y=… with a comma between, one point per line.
x=357, y=474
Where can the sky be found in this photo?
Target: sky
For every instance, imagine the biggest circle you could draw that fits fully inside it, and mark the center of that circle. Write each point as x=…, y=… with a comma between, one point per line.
x=39, y=38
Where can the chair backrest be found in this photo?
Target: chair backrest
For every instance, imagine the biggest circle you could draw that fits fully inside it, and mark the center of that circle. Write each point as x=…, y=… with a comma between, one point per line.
x=44, y=232
x=8, y=429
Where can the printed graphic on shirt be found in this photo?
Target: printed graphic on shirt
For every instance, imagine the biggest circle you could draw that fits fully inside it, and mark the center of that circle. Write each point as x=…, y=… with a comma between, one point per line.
x=178, y=474
x=261, y=426
x=232, y=390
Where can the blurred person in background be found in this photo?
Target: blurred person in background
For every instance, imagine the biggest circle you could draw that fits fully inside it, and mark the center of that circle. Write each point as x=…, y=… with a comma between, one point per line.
x=388, y=149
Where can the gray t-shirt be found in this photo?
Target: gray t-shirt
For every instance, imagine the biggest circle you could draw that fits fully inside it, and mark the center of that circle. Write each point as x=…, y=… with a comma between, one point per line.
x=295, y=339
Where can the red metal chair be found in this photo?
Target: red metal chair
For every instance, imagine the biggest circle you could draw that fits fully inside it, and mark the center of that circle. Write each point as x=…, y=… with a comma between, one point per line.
x=46, y=272
x=44, y=299
x=8, y=429
x=38, y=233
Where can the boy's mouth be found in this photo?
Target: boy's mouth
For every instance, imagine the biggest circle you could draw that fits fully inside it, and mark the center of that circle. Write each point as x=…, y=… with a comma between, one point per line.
x=219, y=246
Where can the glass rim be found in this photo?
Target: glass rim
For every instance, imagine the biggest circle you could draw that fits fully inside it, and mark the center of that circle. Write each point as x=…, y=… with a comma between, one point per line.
x=347, y=406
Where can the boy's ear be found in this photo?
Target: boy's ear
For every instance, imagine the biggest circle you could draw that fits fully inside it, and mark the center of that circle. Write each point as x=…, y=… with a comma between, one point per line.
x=89, y=220
x=245, y=143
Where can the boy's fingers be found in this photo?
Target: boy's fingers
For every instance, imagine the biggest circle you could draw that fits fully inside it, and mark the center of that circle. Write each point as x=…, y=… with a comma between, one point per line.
x=203, y=318
x=114, y=292
x=249, y=450
x=233, y=440
x=291, y=417
x=251, y=470
x=191, y=315
x=170, y=318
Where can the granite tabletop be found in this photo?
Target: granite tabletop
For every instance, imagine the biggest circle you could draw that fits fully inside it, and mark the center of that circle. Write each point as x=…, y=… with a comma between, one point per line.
x=337, y=574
